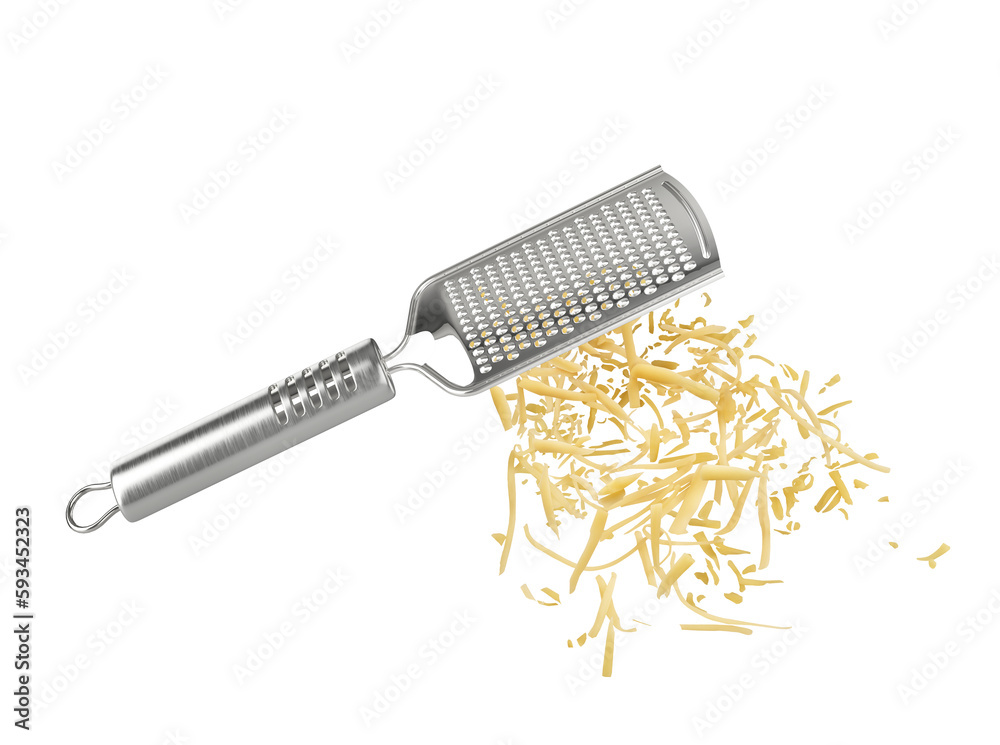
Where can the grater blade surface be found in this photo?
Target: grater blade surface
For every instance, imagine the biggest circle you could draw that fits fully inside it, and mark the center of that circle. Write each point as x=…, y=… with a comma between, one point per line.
x=572, y=278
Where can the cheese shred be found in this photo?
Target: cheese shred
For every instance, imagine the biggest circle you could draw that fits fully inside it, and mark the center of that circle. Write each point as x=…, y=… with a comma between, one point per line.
x=932, y=558
x=661, y=437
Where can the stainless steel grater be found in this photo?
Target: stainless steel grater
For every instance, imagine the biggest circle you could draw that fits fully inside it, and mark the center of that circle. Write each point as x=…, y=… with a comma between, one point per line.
x=551, y=288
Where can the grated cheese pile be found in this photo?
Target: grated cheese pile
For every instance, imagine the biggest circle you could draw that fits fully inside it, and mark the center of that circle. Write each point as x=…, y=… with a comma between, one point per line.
x=681, y=453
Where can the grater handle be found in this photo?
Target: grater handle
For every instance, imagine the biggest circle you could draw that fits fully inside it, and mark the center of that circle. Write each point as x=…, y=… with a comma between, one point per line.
x=250, y=431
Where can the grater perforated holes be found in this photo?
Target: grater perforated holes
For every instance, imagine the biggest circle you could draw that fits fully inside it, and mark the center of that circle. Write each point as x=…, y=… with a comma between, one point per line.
x=571, y=275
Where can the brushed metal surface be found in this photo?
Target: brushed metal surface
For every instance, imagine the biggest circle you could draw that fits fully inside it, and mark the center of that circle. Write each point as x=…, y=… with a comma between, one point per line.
x=250, y=431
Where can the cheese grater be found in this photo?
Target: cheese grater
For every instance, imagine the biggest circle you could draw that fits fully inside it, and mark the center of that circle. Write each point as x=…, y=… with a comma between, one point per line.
x=551, y=288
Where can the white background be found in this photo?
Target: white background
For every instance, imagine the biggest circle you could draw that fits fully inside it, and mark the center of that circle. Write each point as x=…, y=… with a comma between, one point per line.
x=168, y=675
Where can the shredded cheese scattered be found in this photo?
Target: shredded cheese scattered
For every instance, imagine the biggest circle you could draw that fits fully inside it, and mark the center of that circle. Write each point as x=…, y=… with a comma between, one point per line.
x=679, y=452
